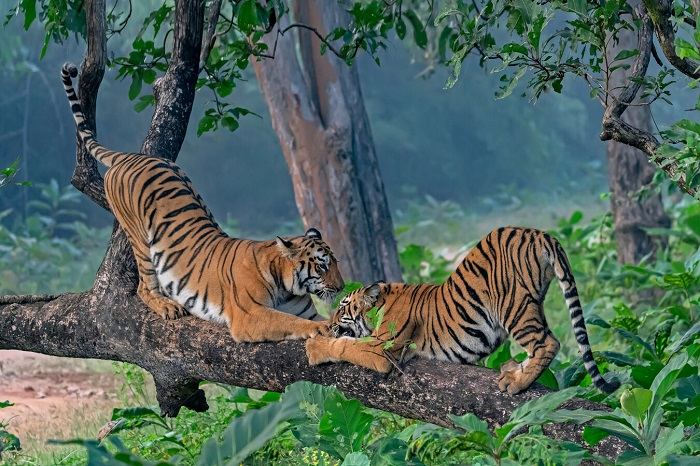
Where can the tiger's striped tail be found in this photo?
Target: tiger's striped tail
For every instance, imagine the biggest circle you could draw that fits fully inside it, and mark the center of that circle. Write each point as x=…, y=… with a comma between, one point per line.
x=86, y=135
x=562, y=271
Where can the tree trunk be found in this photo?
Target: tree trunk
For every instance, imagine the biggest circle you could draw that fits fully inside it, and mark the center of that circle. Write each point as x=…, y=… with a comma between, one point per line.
x=629, y=171
x=317, y=110
x=180, y=352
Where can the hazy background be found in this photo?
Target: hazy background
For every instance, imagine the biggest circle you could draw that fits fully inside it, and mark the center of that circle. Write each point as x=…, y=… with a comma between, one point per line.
x=459, y=145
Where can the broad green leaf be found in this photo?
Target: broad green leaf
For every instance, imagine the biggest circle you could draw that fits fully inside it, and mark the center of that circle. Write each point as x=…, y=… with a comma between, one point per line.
x=419, y=34
x=667, y=442
x=6, y=404
x=247, y=16
x=8, y=442
x=135, y=87
x=247, y=434
x=625, y=54
x=400, y=28
x=621, y=430
x=692, y=333
x=344, y=425
x=665, y=379
x=29, y=9
x=469, y=422
x=636, y=401
x=356, y=459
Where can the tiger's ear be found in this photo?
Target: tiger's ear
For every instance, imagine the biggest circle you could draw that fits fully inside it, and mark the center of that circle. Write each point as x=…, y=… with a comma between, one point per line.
x=285, y=246
x=313, y=233
x=372, y=292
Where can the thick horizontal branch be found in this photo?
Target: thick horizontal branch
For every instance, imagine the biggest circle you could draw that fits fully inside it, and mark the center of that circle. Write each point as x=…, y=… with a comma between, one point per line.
x=180, y=353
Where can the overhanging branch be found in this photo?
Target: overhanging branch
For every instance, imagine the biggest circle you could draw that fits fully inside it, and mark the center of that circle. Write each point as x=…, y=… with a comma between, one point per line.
x=616, y=129
x=178, y=353
x=661, y=12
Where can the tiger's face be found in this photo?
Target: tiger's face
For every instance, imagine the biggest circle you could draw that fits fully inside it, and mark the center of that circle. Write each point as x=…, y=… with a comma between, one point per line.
x=314, y=267
x=349, y=320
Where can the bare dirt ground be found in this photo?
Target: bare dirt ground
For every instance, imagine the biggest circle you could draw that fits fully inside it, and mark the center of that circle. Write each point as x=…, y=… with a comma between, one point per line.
x=54, y=398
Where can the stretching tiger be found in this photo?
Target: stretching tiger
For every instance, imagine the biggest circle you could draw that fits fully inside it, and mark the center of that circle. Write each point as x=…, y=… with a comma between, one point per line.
x=498, y=290
x=187, y=264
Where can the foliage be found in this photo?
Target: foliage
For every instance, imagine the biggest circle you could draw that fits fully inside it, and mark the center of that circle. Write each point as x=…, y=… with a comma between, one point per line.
x=51, y=249
x=8, y=442
x=8, y=174
x=650, y=340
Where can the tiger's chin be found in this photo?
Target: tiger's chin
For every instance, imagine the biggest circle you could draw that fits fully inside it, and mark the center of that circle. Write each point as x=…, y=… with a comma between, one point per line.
x=326, y=295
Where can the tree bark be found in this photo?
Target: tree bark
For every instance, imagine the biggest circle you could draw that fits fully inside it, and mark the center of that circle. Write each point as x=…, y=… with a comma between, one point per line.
x=317, y=111
x=179, y=353
x=630, y=170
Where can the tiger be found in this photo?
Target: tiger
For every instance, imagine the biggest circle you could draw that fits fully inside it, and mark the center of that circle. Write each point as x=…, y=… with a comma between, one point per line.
x=188, y=265
x=497, y=290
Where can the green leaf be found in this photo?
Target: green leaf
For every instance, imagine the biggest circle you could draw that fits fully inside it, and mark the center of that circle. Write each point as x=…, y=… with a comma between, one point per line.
x=500, y=356
x=207, y=123
x=470, y=423
x=687, y=338
x=247, y=16
x=135, y=88
x=593, y=435
x=513, y=47
x=400, y=28
x=229, y=123
x=667, y=442
x=144, y=102
x=419, y=34
x=29, y=9
x=247, y=434
x=344, y=425
x=8, y=442
x=356, y=459
x=625, y=54
x=6, y=404
x=636, y=401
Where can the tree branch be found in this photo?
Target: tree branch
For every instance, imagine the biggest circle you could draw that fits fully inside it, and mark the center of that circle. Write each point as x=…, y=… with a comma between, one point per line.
x=210, y=35
x=85, y=177
x=661, y=12
x=181, y=352
x=616, y=129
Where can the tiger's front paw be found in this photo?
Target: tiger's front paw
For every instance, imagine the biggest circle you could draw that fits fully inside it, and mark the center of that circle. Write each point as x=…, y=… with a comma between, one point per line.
x=167, y=309
x=320, y=328
x=317, y=350
x=511, y=381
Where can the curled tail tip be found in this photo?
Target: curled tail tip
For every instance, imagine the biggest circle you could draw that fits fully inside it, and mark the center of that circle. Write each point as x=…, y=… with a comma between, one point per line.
x=69, y=70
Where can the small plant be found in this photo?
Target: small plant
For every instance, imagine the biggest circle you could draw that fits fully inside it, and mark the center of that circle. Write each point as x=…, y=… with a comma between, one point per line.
x=8, y=441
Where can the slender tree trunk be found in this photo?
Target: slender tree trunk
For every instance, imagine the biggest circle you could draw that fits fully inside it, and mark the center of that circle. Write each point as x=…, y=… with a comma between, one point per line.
x=629, y=170
x=317, y=110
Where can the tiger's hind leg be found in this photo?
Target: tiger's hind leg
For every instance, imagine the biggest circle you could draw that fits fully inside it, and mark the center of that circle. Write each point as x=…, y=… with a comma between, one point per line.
x=534, y=336
x=149, y=291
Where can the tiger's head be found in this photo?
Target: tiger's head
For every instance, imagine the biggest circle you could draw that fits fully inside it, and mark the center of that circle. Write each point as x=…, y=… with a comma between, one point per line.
x=350, y=319
x=314, y=267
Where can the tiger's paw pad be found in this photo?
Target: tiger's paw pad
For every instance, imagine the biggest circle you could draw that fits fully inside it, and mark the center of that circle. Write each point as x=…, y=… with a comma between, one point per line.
x=315, y=349
x=509, y=382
